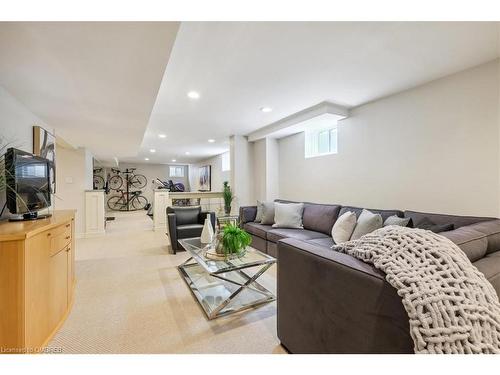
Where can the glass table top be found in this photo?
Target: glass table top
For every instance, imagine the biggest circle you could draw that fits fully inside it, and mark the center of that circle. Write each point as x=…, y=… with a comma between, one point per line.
x=251, y=258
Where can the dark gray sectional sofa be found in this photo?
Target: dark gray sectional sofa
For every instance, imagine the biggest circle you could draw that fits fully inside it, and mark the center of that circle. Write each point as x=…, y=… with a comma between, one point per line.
x=329, y=302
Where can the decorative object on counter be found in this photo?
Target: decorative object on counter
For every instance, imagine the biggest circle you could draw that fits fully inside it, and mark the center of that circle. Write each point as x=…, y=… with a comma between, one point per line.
x=205, y=178
x=207, y=234
x=228, y=197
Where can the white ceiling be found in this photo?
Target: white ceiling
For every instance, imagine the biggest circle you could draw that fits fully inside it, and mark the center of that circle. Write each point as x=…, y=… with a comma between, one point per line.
x=95, y=83
x=239, y=67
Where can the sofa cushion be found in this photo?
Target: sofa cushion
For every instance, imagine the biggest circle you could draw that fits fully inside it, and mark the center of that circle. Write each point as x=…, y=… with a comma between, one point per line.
x=472, y=242
x=260, y=211
x=491, y=229
x=399, y=221
x=428, y=224
x=384, y=213
x=367, y=223
x=288, y=215
x=343, y=227
x=276, y=234
x=189, y=230
x=324, y=242
x=457, y=221
x=257, y=229
x=490, y=267
x=267, y=213
x=320, y=217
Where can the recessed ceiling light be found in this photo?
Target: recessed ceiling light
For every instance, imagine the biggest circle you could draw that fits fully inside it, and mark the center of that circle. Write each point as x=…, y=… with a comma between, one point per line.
x=211, y=140
x=173, y=160
x=162, y=136
x=152, y=150
x=187, y=152
x=266, y=109
x=146, y=159
x=193, y=95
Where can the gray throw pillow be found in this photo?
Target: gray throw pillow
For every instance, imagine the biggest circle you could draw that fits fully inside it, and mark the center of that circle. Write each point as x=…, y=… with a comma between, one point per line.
x=258, y=216
x=396, y=220
x=288, y=215
x=267, y=213
x=367, y=223
x=343, y=227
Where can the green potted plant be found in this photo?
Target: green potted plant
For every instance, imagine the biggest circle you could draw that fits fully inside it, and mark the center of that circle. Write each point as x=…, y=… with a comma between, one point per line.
x=228, y=197
x=233, y=241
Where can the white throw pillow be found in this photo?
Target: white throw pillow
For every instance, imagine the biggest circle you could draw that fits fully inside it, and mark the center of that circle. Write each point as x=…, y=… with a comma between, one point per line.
x=260, y=209
x=288, y=215
x=267, y=213
x=343, y=227
x=367, y=223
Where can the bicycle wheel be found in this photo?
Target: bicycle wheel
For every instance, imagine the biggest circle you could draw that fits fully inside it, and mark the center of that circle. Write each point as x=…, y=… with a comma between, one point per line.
x=138, y=181
x=98, y=182
x=139, y=202
x=115, y=182
x=116, y=203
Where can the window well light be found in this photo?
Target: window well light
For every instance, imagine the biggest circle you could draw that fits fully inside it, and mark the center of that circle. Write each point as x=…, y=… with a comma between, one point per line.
x=266, y=109
x=173, y=160
x=187, y=153
x=162, y=136
x=193, y=95
x=146, y=159
x=211, y=140
x=152, y=150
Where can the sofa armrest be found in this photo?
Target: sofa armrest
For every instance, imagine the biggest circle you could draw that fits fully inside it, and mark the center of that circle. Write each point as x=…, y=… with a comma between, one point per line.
x=172, y=230
x=329, y=302
x=247, y=214
x=203, y=216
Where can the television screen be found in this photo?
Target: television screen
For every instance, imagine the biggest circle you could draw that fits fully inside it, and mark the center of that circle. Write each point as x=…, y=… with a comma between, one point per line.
x=27, y=178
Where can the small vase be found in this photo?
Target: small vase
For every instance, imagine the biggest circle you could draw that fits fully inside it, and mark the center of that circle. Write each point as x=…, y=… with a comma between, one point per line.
x=227, y=210
x=207, y=234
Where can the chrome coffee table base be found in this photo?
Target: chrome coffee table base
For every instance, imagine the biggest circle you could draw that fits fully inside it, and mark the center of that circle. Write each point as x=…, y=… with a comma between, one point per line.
x=227, y=290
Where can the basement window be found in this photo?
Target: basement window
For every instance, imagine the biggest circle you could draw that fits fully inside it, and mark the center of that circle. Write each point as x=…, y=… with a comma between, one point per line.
x=226, y=162
x=320, y=141
x=176, y=171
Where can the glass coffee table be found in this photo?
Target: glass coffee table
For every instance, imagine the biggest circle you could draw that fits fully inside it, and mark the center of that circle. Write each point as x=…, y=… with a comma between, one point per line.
x=223, y=287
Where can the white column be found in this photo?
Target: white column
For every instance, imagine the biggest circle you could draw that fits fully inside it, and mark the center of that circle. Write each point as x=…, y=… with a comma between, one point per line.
x=95, y=218
x=161, y=200
x=241, y=170
x=272, y=169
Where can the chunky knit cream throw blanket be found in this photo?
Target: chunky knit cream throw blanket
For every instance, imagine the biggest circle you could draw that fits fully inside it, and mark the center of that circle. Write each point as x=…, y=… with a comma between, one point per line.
x=451, y=306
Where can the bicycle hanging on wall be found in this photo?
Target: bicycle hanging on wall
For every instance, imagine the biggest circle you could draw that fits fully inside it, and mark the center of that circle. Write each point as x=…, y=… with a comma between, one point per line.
x=127, y=200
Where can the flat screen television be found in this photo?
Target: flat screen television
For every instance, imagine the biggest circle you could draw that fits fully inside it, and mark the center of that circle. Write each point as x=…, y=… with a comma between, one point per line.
x=28, y=184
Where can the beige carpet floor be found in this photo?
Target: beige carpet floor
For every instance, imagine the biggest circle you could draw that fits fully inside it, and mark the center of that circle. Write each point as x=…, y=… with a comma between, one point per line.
x=130, y=298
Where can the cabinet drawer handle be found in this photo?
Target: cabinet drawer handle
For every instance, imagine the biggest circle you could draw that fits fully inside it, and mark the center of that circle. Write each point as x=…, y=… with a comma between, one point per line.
x=67, y=237
x=68, y=225
x=49, y=234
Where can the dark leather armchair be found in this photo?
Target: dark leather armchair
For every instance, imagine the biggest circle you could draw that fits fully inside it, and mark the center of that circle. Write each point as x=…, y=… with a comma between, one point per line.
x=186, y=222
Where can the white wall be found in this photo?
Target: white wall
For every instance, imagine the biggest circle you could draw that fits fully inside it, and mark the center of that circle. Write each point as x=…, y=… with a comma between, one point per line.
x=266, y=169
x=16, y=127
x=72, y=181
x=241, y=171
x=432, y=148
x=218, y=176
x=260, y=169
